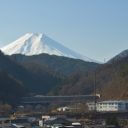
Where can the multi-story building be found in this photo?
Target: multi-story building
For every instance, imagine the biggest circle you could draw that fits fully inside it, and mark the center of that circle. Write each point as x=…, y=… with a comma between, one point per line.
x=105, y=106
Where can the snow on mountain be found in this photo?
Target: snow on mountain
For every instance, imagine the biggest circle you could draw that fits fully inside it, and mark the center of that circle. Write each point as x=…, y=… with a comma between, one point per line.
x=37, y=43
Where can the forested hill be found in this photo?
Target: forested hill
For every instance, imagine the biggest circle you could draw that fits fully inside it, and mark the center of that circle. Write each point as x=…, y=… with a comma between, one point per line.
x=59, y=64
x=11, y=90
x=111, y=81
x=39, y=74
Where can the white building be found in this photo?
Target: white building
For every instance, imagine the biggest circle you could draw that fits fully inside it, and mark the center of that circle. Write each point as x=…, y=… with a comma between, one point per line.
x=63, y=109
x=91, y=106
x=109, y=106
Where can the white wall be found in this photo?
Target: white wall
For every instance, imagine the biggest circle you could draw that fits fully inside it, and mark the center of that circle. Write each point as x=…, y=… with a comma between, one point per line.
x=108, y=106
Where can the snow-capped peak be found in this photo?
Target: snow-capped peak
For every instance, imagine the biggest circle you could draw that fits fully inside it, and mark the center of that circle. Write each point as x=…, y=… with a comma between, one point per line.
x=37, y=43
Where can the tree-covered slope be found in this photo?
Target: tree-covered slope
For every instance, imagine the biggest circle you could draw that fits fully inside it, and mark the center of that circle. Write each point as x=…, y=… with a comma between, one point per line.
x=111, y=81
x=59, y=64
x=11, y=90
x=40, y=82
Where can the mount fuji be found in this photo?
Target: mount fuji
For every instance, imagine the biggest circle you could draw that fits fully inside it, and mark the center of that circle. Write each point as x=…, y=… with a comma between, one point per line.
x=38, y=43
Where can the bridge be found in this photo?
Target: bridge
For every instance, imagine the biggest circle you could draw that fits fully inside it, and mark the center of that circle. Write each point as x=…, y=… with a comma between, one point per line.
x=39, y=99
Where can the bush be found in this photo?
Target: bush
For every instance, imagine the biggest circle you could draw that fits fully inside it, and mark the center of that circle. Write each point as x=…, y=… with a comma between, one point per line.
x=112, y=121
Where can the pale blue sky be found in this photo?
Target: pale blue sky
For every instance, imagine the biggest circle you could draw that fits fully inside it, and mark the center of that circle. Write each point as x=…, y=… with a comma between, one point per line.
x=95, y=28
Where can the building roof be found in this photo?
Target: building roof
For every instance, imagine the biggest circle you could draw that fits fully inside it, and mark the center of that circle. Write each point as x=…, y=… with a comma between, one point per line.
x=62, y=121
x=114, y=101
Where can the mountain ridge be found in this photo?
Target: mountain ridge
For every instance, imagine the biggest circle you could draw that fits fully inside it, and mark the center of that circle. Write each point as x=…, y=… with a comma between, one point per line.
x=120, y=56
x=59, y=64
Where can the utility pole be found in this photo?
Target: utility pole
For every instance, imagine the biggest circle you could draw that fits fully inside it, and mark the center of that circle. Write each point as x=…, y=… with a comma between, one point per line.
x=95, y=100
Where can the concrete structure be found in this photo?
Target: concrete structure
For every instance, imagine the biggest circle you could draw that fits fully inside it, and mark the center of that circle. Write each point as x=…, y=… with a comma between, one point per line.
x=109, y=106
x=112, y=106
x=91, y=106
x=39, y=99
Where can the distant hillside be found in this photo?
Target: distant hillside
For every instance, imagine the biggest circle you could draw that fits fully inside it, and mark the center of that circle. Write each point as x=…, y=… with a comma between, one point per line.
x=11, y=90
x=14, y=69
x=41, y=82
x=55, y=75
x=117, y=85
x=111, y=79
x=119, y=57
x=62, y=65
x=77, y=84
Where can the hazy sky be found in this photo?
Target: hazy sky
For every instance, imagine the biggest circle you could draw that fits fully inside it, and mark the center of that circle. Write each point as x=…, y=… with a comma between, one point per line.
x=95, y=28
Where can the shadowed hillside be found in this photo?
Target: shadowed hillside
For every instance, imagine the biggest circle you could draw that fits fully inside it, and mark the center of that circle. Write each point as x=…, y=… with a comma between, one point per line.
x=45, y=74
x=11, y=90
x=111, y=79
x=59, y=64
x=41, y=82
